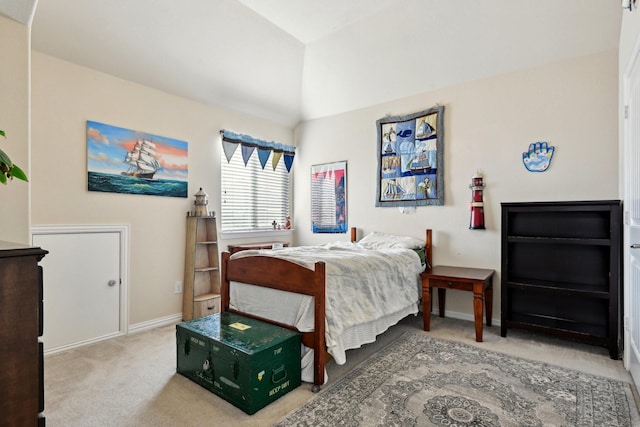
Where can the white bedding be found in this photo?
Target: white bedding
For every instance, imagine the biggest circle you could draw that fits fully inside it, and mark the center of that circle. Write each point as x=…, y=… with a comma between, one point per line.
x=367, y=290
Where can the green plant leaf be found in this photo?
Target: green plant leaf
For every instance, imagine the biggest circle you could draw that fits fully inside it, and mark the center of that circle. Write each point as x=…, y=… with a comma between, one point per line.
x=7, y=169
x=16, y=172
x=4, y=158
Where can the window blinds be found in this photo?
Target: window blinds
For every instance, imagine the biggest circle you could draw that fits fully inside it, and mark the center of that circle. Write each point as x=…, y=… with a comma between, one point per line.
x=254, y=197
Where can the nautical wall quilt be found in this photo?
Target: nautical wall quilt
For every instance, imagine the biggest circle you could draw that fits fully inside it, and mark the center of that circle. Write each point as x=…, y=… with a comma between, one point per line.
x=127, y=161
x=410, y=159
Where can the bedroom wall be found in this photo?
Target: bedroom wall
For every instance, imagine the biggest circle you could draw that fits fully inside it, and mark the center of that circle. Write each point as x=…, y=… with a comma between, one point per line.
x=488, y=125
x=65, y=96
x=14, y=120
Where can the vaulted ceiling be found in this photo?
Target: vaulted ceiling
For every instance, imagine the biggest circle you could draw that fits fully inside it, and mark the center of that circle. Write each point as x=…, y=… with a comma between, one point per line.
x=293, y=60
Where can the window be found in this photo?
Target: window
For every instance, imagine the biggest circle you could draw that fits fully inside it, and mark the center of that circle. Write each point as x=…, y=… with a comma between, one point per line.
x=252, y=197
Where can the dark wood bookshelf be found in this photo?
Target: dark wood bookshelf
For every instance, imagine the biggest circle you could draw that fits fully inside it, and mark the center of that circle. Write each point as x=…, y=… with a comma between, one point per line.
x=562, y=271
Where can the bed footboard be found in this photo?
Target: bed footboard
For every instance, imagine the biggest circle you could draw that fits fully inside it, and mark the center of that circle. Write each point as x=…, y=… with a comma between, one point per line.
x=283, y=275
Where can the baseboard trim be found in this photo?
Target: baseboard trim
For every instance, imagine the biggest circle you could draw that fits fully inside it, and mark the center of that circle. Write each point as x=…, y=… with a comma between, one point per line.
x=67, y=347
x=155, y=323
x=464, y=316
x=138, y=327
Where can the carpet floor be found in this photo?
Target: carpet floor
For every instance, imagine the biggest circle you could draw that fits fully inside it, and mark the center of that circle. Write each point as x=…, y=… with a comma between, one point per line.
x=132, y=380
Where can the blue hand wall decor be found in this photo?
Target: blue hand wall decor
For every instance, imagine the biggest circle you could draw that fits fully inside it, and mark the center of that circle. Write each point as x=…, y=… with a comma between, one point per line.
x=538, y=158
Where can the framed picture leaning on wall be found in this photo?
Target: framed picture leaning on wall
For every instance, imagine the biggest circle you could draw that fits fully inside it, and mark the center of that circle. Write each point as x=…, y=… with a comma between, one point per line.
x=410, y=159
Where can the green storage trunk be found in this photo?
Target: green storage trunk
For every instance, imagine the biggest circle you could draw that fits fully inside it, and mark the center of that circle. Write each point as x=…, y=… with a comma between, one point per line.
x=246, y=362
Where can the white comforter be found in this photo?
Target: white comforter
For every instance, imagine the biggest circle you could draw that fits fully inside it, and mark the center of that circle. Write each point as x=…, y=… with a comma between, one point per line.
x=362, y=285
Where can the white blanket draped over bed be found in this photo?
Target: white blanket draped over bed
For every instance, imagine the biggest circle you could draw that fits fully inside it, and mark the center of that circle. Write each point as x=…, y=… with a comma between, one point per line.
x=363, y=285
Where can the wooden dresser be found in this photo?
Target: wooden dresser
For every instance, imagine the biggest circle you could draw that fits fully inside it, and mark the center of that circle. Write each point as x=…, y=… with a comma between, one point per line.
x=21, y=351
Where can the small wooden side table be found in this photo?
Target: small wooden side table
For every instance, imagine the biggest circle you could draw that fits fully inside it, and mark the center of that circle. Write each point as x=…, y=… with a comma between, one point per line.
x=477, y=280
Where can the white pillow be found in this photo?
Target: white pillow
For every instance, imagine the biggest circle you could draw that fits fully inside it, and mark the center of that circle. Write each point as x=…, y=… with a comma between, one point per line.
x=379, y=240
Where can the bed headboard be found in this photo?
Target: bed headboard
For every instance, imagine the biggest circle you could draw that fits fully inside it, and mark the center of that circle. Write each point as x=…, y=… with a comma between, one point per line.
x=428, y=249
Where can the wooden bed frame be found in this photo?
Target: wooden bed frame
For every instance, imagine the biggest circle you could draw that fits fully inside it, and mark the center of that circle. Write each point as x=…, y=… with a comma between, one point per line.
x=284, y=275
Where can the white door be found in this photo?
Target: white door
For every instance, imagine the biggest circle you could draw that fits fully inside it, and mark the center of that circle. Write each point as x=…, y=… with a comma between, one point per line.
x=632, y=220
x=82, y=287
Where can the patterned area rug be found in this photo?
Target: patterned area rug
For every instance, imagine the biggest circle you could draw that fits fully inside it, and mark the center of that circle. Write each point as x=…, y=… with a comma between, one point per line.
x=421, y=381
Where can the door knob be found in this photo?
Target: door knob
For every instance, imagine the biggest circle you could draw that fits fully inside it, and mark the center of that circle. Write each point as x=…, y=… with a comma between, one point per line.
x=112, y=282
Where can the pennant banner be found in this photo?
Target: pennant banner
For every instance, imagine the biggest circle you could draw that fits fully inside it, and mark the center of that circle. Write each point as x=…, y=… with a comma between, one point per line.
x=229, y=148
x=247, y=151
x=263, y=155
x=276, y=159
x=288, y=161
x=231, y=141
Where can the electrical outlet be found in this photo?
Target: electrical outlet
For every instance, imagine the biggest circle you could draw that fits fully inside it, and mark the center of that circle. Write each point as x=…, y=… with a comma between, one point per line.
x=177, y=288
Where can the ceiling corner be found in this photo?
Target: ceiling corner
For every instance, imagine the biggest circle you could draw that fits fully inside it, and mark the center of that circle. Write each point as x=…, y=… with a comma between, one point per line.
x=20, y=11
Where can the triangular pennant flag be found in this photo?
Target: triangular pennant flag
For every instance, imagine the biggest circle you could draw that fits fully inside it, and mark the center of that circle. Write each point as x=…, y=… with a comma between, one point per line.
x=263, y=155
x=276, y=158
x=229, y=148
x=246, y=153
x=288, y=161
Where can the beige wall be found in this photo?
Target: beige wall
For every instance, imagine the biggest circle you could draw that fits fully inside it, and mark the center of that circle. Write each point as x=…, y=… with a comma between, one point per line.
x=488, y=125
x=14, y=120
x=65, y=96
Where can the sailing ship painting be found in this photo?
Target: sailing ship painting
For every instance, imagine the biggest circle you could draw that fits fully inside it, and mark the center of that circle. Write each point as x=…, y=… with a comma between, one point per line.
x=126, y=161
x=142, y=160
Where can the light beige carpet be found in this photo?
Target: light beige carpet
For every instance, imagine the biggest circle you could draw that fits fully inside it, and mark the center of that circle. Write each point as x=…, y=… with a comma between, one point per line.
x=132, y=380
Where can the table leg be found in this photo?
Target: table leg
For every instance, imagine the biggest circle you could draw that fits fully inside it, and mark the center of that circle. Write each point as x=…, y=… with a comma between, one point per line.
x=478, y=303
x=442, y=297
x=488, y=301
x=426, y=306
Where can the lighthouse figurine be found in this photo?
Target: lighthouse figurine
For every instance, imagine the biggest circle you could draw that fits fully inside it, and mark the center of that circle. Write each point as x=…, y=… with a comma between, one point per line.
x=201, y=203
x=477, y=205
